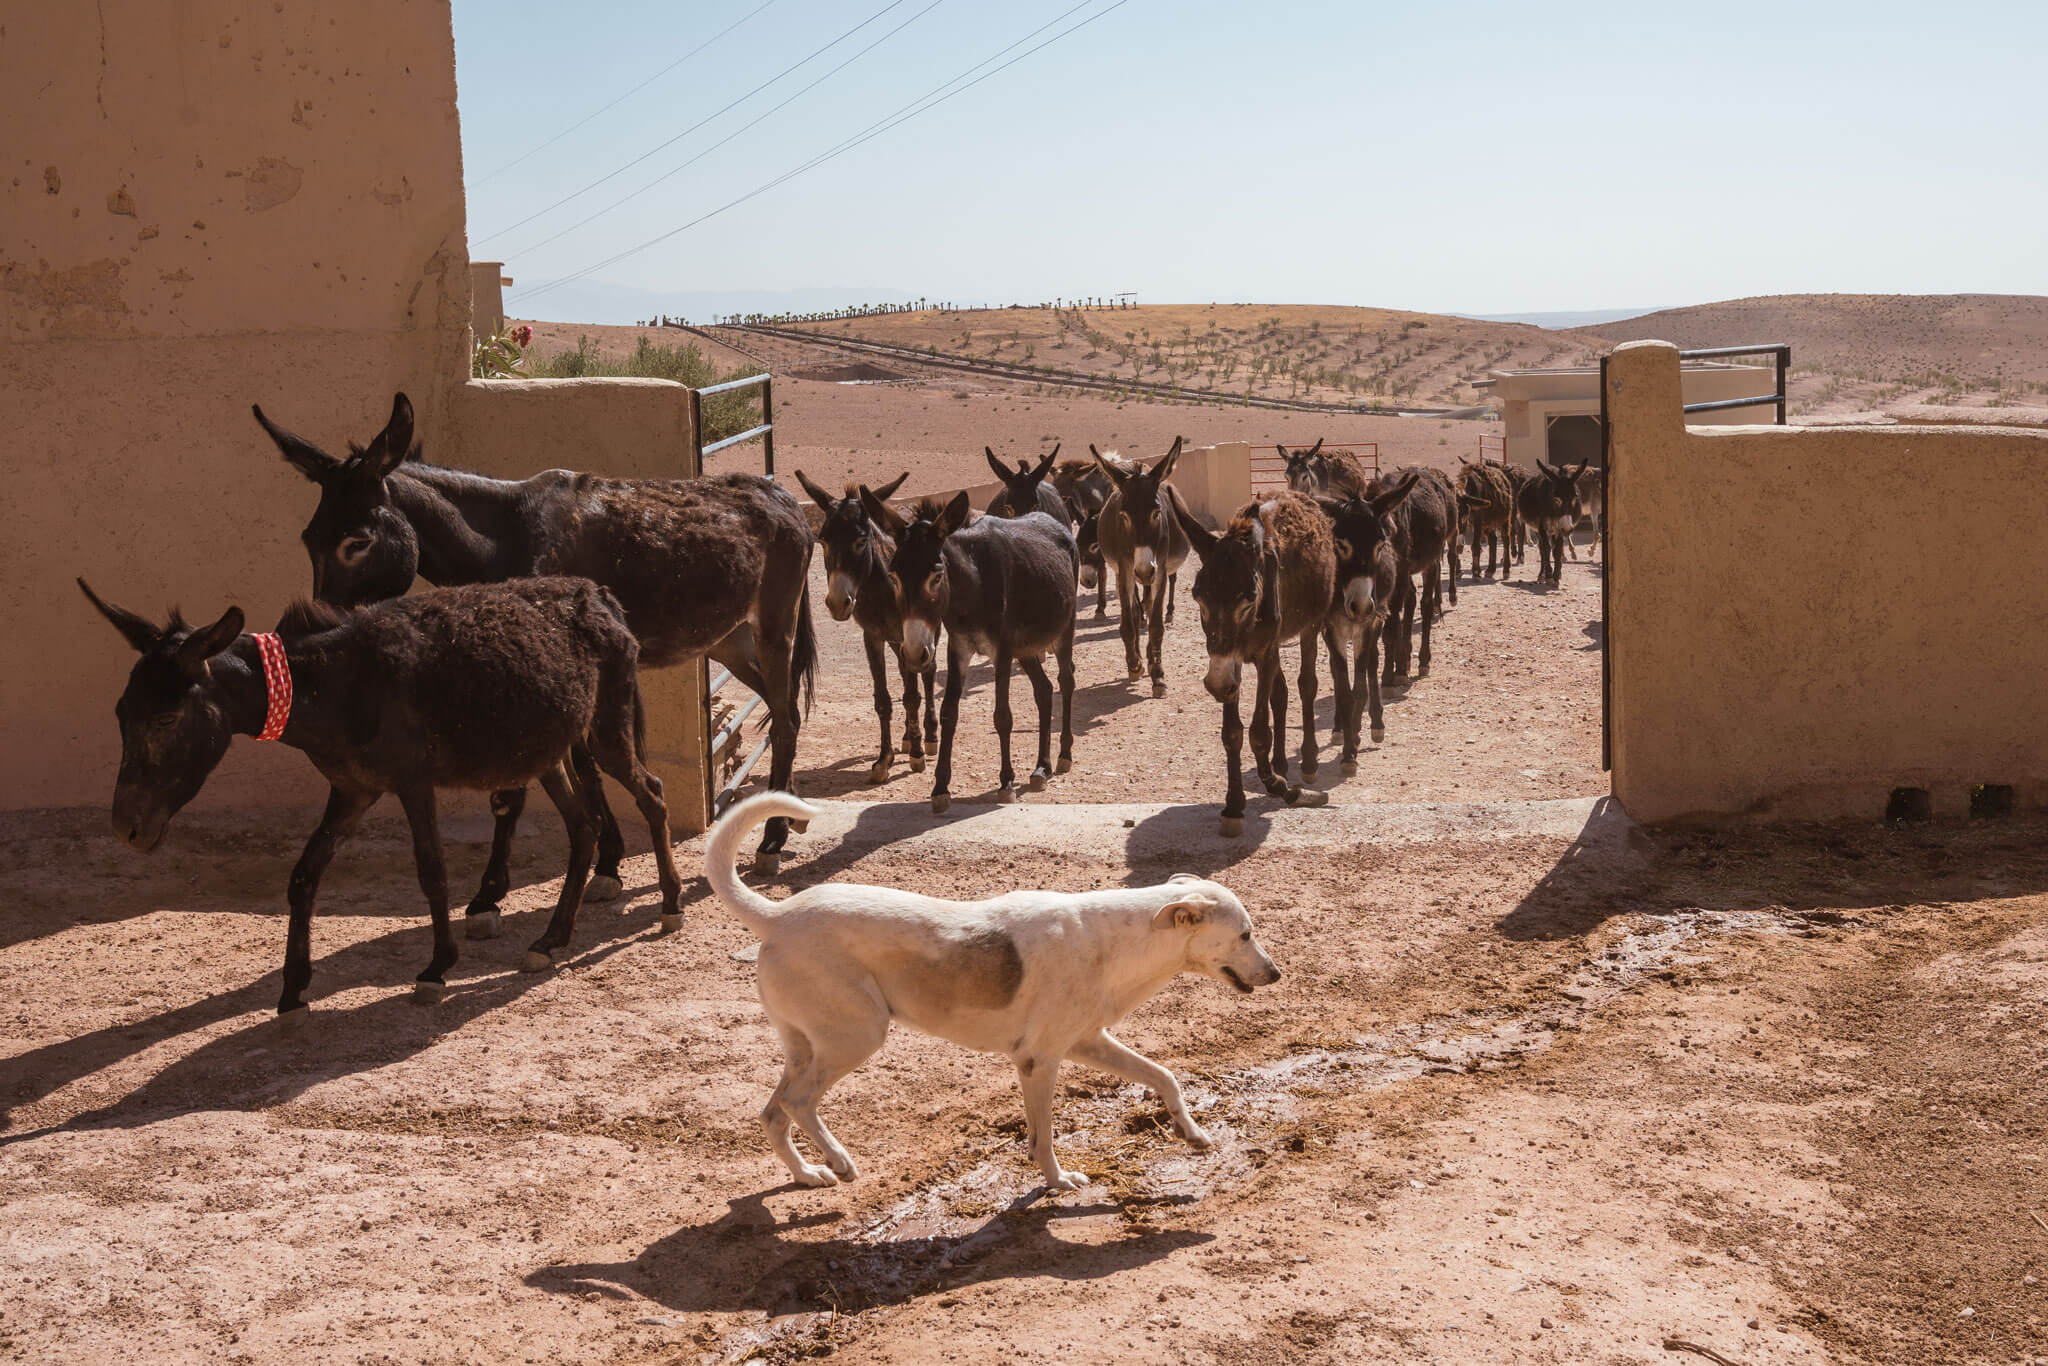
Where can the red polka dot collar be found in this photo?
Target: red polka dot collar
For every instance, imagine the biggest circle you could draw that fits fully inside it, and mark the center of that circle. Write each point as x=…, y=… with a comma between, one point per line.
x=277, y=685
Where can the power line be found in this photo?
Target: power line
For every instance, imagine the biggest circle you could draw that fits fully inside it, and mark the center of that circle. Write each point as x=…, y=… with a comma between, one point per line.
x=678, y=170
x=922, y=105
x=622, y=98
x=693, y=127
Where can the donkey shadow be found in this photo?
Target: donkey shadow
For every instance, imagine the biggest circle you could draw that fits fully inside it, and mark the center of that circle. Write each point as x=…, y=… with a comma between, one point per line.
x=744, y=1260
x=219, y=1075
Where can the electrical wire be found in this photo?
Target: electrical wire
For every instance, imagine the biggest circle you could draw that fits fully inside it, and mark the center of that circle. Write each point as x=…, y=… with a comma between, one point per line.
x=492, y=175
x=673, y=171
x=923, y=105
x=662, y=146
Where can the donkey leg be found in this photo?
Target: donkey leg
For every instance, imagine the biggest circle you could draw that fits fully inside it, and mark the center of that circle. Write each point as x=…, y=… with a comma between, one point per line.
x=1006, y=790
x=426, y=856
x=949, y=718
x=569, y=799
x=1156, y=596
x=1041, y=692
x=480, y=921
x=614, y=747
x=931, y=703
x=1063, y=653
x=611, y=844
x=1430, y=593
x=1172, y=593
x=878, y=772
x=1344, y=715
x=1262, y=730
x=1129, y=603
x=1233, y=763
x=1369, y=680
x=1311, y=759
x=337, y=823
x=913, y=744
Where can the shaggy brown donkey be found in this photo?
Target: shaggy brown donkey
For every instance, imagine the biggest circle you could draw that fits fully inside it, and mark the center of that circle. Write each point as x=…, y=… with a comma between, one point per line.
x=1141, y=538
x=1267, y=579
x=1003, y=587
x=1550, y=505
x=714, y=566
x=485, y=687
x=1340, y=474
x=1368, y=576
x=1487, y=496
x=857, y=553
x=1025, y=489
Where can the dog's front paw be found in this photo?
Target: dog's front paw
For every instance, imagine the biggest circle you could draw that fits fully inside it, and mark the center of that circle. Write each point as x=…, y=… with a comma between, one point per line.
x=811, y=1174
x=844, y=1167
x=1067, y=1181
x=1197, y=1136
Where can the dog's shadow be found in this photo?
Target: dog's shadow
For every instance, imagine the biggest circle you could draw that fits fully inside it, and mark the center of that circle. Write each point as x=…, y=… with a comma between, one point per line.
x=747, y=1260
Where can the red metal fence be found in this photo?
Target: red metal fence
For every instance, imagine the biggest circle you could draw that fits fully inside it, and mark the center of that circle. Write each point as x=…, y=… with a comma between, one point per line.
x=1269, y=467
x=1492, y=447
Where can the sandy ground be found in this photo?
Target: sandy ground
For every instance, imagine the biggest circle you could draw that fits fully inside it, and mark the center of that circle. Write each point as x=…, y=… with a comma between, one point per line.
x=1537, y=1087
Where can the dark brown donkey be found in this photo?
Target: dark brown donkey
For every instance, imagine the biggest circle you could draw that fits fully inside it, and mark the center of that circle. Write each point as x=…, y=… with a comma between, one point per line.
x=1487, y=497
x=485, y=687
x=714, y=566
x=857, y=553
x=1424, y=530
x=1550, y=505
x=1147, y=546
x=1025, y=489
x=1268, y=579
x=1086, y=488
x=1368, y=577
x=1003, y=587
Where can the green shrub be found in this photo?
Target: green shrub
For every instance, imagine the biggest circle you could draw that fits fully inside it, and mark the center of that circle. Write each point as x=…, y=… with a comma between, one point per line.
x=724, y=414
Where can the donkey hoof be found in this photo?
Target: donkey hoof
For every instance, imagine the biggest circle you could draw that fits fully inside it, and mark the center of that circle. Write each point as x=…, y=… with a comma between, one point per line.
x=1038, y=777
x=536, y=961
x=917, y=763
x=1066, y=761
x=1159, y=687
x=602, y=888
x=1308, y=796
x=1309, y=771
x=767, y=864
x=428, y=993
x=878, y=775
x=1007, y=794
x=1231, y=827
x=292, y=1023
x=1350, y=766
x=671, y=921
x=941, y=803
x=1134, y=672
x=480, y=925
x=1379, y=733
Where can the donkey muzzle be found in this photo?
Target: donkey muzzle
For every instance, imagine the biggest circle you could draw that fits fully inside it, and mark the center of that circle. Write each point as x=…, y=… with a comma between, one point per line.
x=1222, y=678
x=1144, y=564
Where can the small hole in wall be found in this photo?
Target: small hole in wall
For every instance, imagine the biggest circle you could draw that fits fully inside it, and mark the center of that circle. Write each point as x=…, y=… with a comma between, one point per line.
x=1989, y=801
x=1909, y=804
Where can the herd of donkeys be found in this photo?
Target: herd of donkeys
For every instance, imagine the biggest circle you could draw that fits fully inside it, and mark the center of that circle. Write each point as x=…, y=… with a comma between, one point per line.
x=521, y=664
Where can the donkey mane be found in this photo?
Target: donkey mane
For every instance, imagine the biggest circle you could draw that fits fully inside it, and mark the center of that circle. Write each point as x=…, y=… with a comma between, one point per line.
x=306, y=617
x=415, y=456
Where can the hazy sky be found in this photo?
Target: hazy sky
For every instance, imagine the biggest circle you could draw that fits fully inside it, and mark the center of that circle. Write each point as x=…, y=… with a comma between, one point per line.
x=1438, y=156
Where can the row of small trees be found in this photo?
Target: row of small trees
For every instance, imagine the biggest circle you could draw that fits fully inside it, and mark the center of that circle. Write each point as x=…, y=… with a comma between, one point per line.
x=1097, y=302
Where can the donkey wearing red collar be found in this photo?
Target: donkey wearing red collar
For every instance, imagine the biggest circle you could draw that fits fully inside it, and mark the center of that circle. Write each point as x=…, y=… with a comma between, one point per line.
x=485, y=687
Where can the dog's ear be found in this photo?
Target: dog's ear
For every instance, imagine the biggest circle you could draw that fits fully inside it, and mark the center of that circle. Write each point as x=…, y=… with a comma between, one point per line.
x=1180, y=915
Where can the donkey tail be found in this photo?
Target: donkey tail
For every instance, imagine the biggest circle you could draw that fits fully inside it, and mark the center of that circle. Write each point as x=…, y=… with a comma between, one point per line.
x=721, y=853
x=803, y=654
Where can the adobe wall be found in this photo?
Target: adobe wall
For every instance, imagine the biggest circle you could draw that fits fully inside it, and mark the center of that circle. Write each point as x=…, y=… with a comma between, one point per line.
x=1803, y=619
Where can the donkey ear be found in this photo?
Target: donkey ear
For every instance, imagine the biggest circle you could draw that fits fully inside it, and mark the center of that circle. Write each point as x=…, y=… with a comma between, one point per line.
x=955, y=515
x=133, y=629
x=387, y=452
x=208, y=641
x=1046, y=464
x=818, y=495
x=1003, y=472
x=305, y=457
x=1317, y=448
x=1165, y=466
x=1387, y=501
x=888, y=490
x=1116, y=480
x=1330, y=506
x=1285, y=454
x=880, y=512
x=1199, y=536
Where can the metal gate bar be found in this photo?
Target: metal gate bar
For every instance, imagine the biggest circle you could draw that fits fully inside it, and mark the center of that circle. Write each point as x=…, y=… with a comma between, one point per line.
x=718, y=796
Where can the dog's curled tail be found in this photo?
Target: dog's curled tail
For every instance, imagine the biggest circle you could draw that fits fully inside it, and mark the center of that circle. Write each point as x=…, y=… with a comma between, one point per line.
x=721, y=852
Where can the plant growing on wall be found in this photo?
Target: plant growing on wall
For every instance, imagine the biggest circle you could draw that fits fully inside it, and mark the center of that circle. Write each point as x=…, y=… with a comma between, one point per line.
x=500, y=355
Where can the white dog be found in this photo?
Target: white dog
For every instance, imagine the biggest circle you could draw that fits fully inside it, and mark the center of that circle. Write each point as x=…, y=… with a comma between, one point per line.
x=1040, y=976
